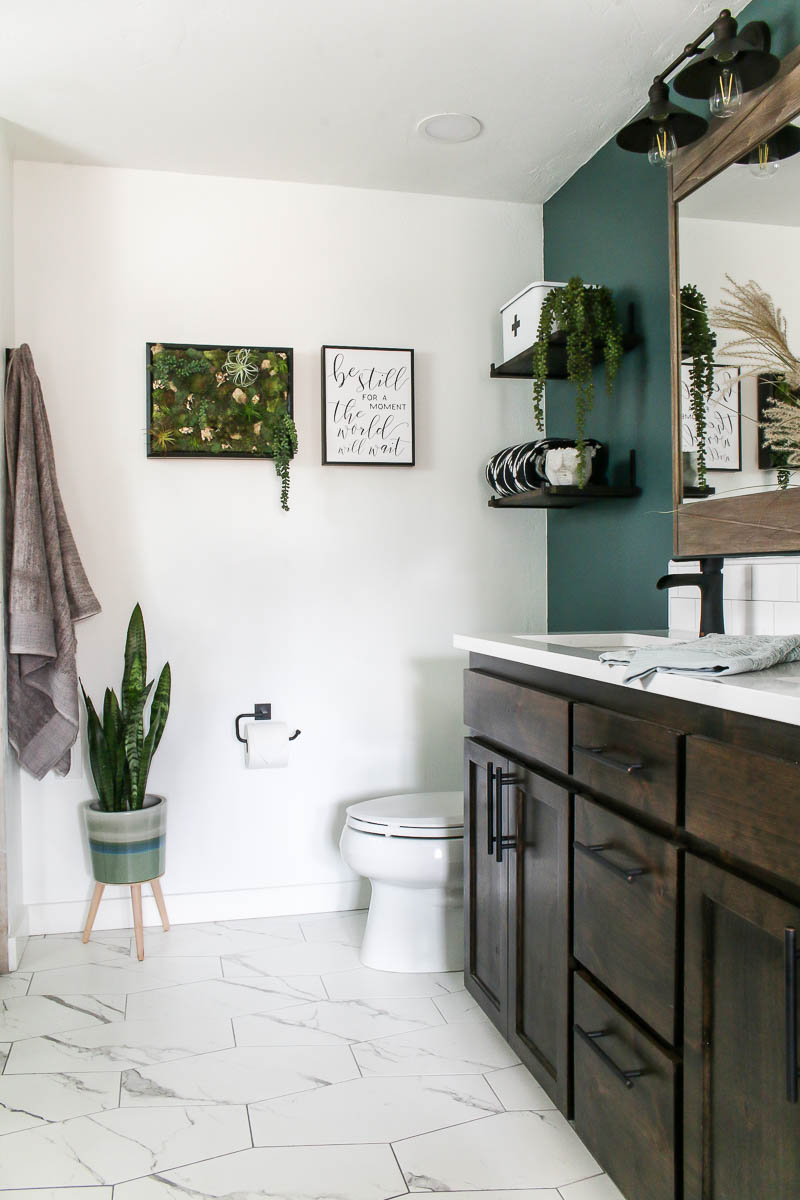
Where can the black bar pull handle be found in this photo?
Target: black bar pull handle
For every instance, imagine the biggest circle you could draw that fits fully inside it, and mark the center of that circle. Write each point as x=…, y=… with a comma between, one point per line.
x=490, y=806
x=790, y=957
x=629, y=874
x=591, y=1039
x=502, y=842
x=601, y=755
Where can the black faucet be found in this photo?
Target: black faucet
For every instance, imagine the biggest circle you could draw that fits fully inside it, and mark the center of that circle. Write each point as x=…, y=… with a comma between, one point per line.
x=709, y=580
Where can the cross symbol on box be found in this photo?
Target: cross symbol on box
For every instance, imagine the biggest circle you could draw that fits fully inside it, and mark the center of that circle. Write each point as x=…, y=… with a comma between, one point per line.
x=515, y=324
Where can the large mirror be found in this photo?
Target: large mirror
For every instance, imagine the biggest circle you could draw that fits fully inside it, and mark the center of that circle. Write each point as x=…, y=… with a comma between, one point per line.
x=736, y=241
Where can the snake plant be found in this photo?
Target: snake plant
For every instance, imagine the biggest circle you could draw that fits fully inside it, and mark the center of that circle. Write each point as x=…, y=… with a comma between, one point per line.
x=120, y=752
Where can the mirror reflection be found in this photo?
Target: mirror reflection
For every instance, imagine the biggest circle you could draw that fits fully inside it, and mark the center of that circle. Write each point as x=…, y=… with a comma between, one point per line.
x=739, y=270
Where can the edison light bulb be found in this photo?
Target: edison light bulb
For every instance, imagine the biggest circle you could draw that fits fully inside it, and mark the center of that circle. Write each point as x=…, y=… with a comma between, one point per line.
x=726, y=98
x=762, y=161
x=663, y=147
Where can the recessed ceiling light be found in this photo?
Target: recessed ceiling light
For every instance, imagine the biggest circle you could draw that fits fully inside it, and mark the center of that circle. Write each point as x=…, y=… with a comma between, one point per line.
x=450, y=127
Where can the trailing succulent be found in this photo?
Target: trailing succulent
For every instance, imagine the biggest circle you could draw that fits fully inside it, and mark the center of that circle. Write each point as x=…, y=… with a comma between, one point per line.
x=698, y=344
x=120, y=752
x=587, y=315
x=227, y=403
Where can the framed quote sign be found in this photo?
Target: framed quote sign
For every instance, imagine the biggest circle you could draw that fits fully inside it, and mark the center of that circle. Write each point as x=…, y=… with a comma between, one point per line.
x=723, y=419
x=367, y=406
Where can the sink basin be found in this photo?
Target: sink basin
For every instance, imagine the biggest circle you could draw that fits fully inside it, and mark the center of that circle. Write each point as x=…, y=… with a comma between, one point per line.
x=596, y=642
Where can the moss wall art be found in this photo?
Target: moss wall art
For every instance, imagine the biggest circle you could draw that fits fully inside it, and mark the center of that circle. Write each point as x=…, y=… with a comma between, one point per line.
x=221, y=402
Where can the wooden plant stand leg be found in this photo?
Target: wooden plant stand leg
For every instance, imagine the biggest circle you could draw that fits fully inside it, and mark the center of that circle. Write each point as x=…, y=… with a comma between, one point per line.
x=97, y=896
x=158, y=896
x=136, y=902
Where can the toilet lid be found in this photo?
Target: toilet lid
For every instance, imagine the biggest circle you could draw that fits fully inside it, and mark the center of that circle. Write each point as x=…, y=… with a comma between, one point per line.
x=419, y=814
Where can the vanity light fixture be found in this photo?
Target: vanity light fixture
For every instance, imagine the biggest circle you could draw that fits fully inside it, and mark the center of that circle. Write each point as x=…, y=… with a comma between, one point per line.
x=733, y=63
x=661, y=127
x=765, y=158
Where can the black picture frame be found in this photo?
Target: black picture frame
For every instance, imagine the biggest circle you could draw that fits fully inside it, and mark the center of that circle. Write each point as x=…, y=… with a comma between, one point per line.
x=377, y=455
x=768, y=459
x=201, y=456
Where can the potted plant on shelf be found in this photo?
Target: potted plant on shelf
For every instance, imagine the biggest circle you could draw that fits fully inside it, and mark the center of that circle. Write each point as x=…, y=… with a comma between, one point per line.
x=126, y=825
x=585, y=316
x=698, y=344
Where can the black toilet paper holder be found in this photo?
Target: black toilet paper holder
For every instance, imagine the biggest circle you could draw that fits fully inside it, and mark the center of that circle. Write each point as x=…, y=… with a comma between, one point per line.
x=263, y=712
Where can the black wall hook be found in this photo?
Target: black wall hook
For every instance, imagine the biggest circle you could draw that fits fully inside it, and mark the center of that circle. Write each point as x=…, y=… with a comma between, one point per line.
x=262, y=712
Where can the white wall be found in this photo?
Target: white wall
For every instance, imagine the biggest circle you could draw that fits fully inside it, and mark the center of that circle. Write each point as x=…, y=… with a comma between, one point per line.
x=11, y=910
x=769, y=254
x=341, y=612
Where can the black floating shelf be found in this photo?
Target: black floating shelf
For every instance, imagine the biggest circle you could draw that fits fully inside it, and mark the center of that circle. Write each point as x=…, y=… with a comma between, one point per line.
x=521, y=366
x=548, y=496
x=698, y=493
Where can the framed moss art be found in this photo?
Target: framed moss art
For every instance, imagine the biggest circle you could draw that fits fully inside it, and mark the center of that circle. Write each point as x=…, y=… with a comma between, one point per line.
x=221, y=402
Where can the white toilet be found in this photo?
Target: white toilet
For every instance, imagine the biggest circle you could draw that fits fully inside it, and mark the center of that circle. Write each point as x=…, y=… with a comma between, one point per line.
x=411, y=850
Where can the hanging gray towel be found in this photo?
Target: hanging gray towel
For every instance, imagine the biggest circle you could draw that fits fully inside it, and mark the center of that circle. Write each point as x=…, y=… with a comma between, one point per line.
x=47, y=589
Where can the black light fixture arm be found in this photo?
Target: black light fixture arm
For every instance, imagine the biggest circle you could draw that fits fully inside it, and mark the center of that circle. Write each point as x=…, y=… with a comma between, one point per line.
x=693, y=48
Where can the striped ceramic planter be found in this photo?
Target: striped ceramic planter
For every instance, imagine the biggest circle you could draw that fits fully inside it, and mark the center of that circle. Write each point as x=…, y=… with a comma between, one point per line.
x=127, y=847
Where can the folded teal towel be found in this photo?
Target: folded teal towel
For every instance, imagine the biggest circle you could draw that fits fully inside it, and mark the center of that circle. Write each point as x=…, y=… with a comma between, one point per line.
x=716, y=654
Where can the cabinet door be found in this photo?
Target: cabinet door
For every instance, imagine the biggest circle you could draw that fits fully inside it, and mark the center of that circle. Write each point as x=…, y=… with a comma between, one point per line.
x=538, y=930
x=485, y=885
x=742, y=1128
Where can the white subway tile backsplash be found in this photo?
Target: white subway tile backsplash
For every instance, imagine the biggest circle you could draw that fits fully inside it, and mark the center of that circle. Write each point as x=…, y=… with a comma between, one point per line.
x=772, y=582
x=761, y=596
x=787, y=618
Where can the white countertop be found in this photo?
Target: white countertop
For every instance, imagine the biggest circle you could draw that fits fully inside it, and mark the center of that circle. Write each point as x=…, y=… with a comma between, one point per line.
x=774, y=694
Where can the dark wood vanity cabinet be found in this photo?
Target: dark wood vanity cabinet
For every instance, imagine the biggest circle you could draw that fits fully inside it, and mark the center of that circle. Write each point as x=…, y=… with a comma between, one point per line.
x=632, y=896
x=742, y=1116
x=516, y=838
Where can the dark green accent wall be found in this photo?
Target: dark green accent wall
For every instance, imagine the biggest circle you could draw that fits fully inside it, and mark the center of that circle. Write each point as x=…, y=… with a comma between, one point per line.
x=608, y=224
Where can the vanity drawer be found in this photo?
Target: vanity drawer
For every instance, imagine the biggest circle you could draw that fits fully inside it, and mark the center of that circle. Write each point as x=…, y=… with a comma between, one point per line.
x=745, y=803
x=629, y=760
x=625, y=912
x=534, y=723
x=628, y=1123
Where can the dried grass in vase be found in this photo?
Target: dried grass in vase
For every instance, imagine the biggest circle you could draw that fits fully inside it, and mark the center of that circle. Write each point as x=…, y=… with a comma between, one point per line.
x=763, y=346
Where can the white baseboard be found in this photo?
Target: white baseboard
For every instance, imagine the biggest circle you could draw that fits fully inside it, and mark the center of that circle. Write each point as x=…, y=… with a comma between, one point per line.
x=16, y=948
x=186, y=908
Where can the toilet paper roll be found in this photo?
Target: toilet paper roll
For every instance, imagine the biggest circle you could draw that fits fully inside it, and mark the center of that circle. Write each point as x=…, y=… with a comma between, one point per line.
x=267, y=744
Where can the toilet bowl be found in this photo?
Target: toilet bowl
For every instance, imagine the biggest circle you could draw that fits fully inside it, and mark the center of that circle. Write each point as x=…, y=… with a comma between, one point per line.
x=411, y=850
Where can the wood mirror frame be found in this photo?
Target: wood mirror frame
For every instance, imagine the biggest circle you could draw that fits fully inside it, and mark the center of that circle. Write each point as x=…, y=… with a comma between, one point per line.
x=763, y=523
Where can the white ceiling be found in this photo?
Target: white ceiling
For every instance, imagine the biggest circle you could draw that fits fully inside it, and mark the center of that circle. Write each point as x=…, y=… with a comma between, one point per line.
x=330, y=91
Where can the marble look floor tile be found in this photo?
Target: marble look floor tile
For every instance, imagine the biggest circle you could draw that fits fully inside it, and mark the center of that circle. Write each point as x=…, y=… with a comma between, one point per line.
x=345, y=928
x=224, y=997
x=15, y=985
x=118, y=1046
x=214, y=938
x=310, y=1173
x=518, y=1090
x=514, y=1150
x=242, y=1075
x=32, y=1016
x=30, y=1100
x=598, y=1188
x=5, y=1049
x=62, y=1193
x=119, y=1145
x=465, y=1047
x=280, y=927
x=124, y=975
x=371, y=1110
x=54, y=951
x=363, y=984
x=516, y=1194
x=457, y=1005
x=291, y=958
x=332, y=1022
